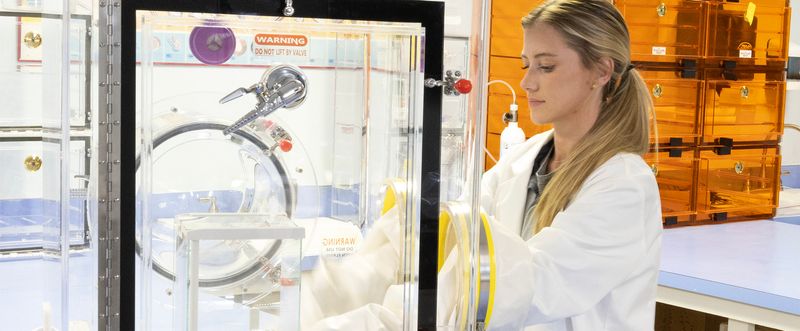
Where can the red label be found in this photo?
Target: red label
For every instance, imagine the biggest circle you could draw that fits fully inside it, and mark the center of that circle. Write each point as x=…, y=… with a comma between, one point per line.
x=281, y=39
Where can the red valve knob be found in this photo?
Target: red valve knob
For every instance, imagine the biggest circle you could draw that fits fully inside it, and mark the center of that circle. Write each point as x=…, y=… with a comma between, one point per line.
x=286, y=145
x=463, y=86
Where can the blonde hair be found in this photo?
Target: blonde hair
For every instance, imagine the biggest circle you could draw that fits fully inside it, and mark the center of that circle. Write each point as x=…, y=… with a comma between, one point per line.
x=596, y=31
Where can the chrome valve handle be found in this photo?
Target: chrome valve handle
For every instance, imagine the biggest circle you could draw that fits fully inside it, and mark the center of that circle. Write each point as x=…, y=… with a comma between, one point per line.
x=283, y=86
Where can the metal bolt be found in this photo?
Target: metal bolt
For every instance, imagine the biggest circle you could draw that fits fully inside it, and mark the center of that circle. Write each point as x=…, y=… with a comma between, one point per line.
x=658, y=91
x=661, y=10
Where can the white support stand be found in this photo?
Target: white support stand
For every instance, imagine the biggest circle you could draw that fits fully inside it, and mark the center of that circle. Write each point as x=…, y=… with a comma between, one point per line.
x=194, y=283
x=193, y=233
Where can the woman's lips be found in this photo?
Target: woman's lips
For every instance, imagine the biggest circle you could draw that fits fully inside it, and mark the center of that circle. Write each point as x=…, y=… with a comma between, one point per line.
x=535, y=102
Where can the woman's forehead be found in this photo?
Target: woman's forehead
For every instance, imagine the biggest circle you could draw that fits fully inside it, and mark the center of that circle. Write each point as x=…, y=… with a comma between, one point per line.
x=542, y=39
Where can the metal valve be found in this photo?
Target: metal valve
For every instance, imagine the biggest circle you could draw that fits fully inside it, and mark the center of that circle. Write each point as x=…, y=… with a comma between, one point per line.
x=282, y=86
x=453, y=83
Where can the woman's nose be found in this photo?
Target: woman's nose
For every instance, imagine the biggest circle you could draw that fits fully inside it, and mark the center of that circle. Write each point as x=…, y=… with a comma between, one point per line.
x=528, y=81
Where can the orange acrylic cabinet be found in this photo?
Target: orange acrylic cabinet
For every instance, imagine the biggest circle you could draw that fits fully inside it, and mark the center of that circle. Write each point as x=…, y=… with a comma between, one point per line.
x=750, y=32
x=675, y=171
x=741, y=185
x=677, y=101
x=506, y=26
x=664, y=30
x=743, y=106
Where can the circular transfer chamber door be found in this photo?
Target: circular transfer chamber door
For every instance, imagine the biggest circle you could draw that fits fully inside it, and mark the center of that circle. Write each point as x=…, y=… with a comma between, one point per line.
x=193, y=168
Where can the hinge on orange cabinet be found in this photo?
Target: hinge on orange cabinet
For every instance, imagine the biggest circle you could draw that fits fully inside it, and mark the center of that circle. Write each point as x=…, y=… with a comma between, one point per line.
x=675, y=142
x=728, y=68
x=725, y=149
x=688, y=68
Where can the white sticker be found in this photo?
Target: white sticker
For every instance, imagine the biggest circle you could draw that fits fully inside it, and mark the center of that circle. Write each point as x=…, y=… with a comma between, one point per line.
x=658, y=50
x=745, y=53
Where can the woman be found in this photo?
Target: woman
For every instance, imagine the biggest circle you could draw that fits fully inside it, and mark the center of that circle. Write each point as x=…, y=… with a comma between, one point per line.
x=580, y=195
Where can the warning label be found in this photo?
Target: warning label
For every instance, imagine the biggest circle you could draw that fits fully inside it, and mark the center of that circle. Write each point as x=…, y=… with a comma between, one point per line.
x=280, y=45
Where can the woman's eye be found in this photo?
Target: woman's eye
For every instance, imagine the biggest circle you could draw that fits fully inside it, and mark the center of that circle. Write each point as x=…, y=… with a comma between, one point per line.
x=546, y=68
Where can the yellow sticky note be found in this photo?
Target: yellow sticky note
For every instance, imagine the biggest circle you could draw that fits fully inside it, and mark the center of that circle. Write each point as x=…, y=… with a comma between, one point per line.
x=751, y=12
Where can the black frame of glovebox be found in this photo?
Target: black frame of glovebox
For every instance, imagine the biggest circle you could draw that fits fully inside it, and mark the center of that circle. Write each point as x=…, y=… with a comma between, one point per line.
x=430, y=14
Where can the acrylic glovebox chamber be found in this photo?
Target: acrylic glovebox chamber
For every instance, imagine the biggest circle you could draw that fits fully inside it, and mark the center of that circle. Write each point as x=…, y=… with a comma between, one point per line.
x=47, y=217
x=279, y=169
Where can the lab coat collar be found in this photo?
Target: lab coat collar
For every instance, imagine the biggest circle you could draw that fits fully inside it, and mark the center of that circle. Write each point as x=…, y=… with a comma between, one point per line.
x=524, y=155
x=512, y=190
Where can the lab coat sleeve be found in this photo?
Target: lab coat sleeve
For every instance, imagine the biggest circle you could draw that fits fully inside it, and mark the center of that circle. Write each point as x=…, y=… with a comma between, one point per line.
x=591, y=247
x=339, y=287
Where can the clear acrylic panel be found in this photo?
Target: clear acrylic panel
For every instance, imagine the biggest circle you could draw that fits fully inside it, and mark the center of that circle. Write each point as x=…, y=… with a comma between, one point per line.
x=47, y=266
x=264, y=123
x=31, y=35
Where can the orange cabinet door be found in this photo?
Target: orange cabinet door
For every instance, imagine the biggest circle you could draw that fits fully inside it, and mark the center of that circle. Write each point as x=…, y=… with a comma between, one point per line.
x=677, y=101
x=744, y=106
x=676, y=177
x=751, y=32
x=743, y=184
x=664, y=30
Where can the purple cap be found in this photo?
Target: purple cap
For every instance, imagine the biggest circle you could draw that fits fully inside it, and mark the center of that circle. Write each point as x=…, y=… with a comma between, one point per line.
x=212, y=44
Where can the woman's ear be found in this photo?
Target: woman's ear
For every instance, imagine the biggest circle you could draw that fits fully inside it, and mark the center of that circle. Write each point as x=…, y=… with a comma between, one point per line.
x=604, y=70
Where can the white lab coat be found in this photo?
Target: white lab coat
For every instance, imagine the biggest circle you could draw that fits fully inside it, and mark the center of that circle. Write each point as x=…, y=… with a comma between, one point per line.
x=596, y=267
